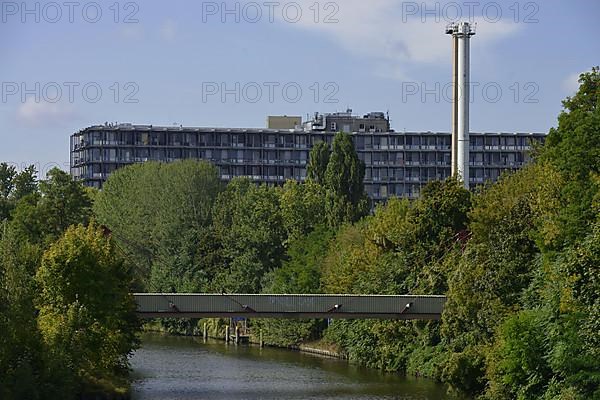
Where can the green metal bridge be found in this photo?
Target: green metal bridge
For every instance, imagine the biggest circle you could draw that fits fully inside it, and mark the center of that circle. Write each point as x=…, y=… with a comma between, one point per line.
x=178, y=305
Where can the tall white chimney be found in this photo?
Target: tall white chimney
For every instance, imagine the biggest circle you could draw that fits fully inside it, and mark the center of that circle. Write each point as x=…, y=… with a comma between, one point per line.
x=461, y=33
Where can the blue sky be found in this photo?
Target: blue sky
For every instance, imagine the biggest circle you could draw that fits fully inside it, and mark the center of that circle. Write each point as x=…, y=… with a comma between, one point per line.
x=166, y=62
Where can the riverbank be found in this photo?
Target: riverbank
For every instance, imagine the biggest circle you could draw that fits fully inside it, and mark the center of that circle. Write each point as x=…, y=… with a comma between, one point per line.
x=113, y=388
x=317, y=347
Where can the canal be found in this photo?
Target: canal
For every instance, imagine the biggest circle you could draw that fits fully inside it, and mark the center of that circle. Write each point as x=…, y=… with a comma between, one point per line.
x=185, y=368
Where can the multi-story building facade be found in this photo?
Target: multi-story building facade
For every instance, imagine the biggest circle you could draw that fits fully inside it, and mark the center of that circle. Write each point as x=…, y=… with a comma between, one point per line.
x=397, y=163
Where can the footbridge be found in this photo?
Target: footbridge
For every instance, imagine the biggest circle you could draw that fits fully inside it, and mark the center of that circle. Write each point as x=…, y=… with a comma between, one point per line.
x=178, y=305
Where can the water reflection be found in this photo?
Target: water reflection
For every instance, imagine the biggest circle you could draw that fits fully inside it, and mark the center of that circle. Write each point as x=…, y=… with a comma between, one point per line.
x=183, y=368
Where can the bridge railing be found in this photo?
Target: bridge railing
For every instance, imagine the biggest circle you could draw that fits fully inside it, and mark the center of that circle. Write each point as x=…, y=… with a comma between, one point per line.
x=178, y=305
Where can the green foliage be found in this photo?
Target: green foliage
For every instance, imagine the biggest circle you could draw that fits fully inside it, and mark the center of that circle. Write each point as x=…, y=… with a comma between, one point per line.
x=509, y=223
x=53, y=346
x=14, y=186
x=25, y=183
x=574, y=148
x=161, y=215
x=507, y=220
x=465, y=370
x=35, y=220
x=517, y=361
x=7, y=177
x=249, y=226
x=286, y=333
x=301, y=273
x=334, y=180
x=302, y=207
x=87, y=316
x=21, y=349
x=525, y=293
x=349, y=257
x=64, y=202
x=41, y=217
x=346, y=198
x=403, y=248
x=377, y=344
x=570, y=293
x=317, y=163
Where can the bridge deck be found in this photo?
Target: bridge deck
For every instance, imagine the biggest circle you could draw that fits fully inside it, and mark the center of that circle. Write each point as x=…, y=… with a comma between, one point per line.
x=170, y=305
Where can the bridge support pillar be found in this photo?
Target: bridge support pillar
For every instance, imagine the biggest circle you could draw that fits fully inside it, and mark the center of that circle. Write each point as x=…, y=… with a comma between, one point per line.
x=237, y=335
x=227, y=334
x=205, y=332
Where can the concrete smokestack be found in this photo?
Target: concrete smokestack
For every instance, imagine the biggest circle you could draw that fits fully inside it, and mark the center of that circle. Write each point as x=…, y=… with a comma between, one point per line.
x=461, y=33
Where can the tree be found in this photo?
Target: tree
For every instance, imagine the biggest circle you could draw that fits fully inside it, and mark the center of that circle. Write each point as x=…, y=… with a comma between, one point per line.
x=51, y=350
x=87, y=315
x=41, y=217
x=317, y=163
x=64, y=202
x=404, y=248
x=301, y=273
x=25, y=183
x=7, y=176
x=302, y=207
x=510, y=222
x=517, y=367
x=161, y=216
x=248, y=225
x=346, y=199
x=574, y=149
x=14, y=186
x=21, y=350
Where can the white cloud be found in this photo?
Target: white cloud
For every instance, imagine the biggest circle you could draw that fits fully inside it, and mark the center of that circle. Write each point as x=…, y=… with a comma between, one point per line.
x=168, y=30
x=36, y=114
x=131, y=32
x=571, y=83
x=381, y=30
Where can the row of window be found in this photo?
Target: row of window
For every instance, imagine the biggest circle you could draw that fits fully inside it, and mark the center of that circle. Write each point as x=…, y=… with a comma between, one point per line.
x=116, y=138
x=443, y=142
x=413, y=184
x=378, y=192
x=102, y=171
x=388, y=158
x=129, y=155
x=265, y=172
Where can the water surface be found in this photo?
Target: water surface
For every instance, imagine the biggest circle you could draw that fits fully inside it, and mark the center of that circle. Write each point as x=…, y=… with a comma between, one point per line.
x=184, y=368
